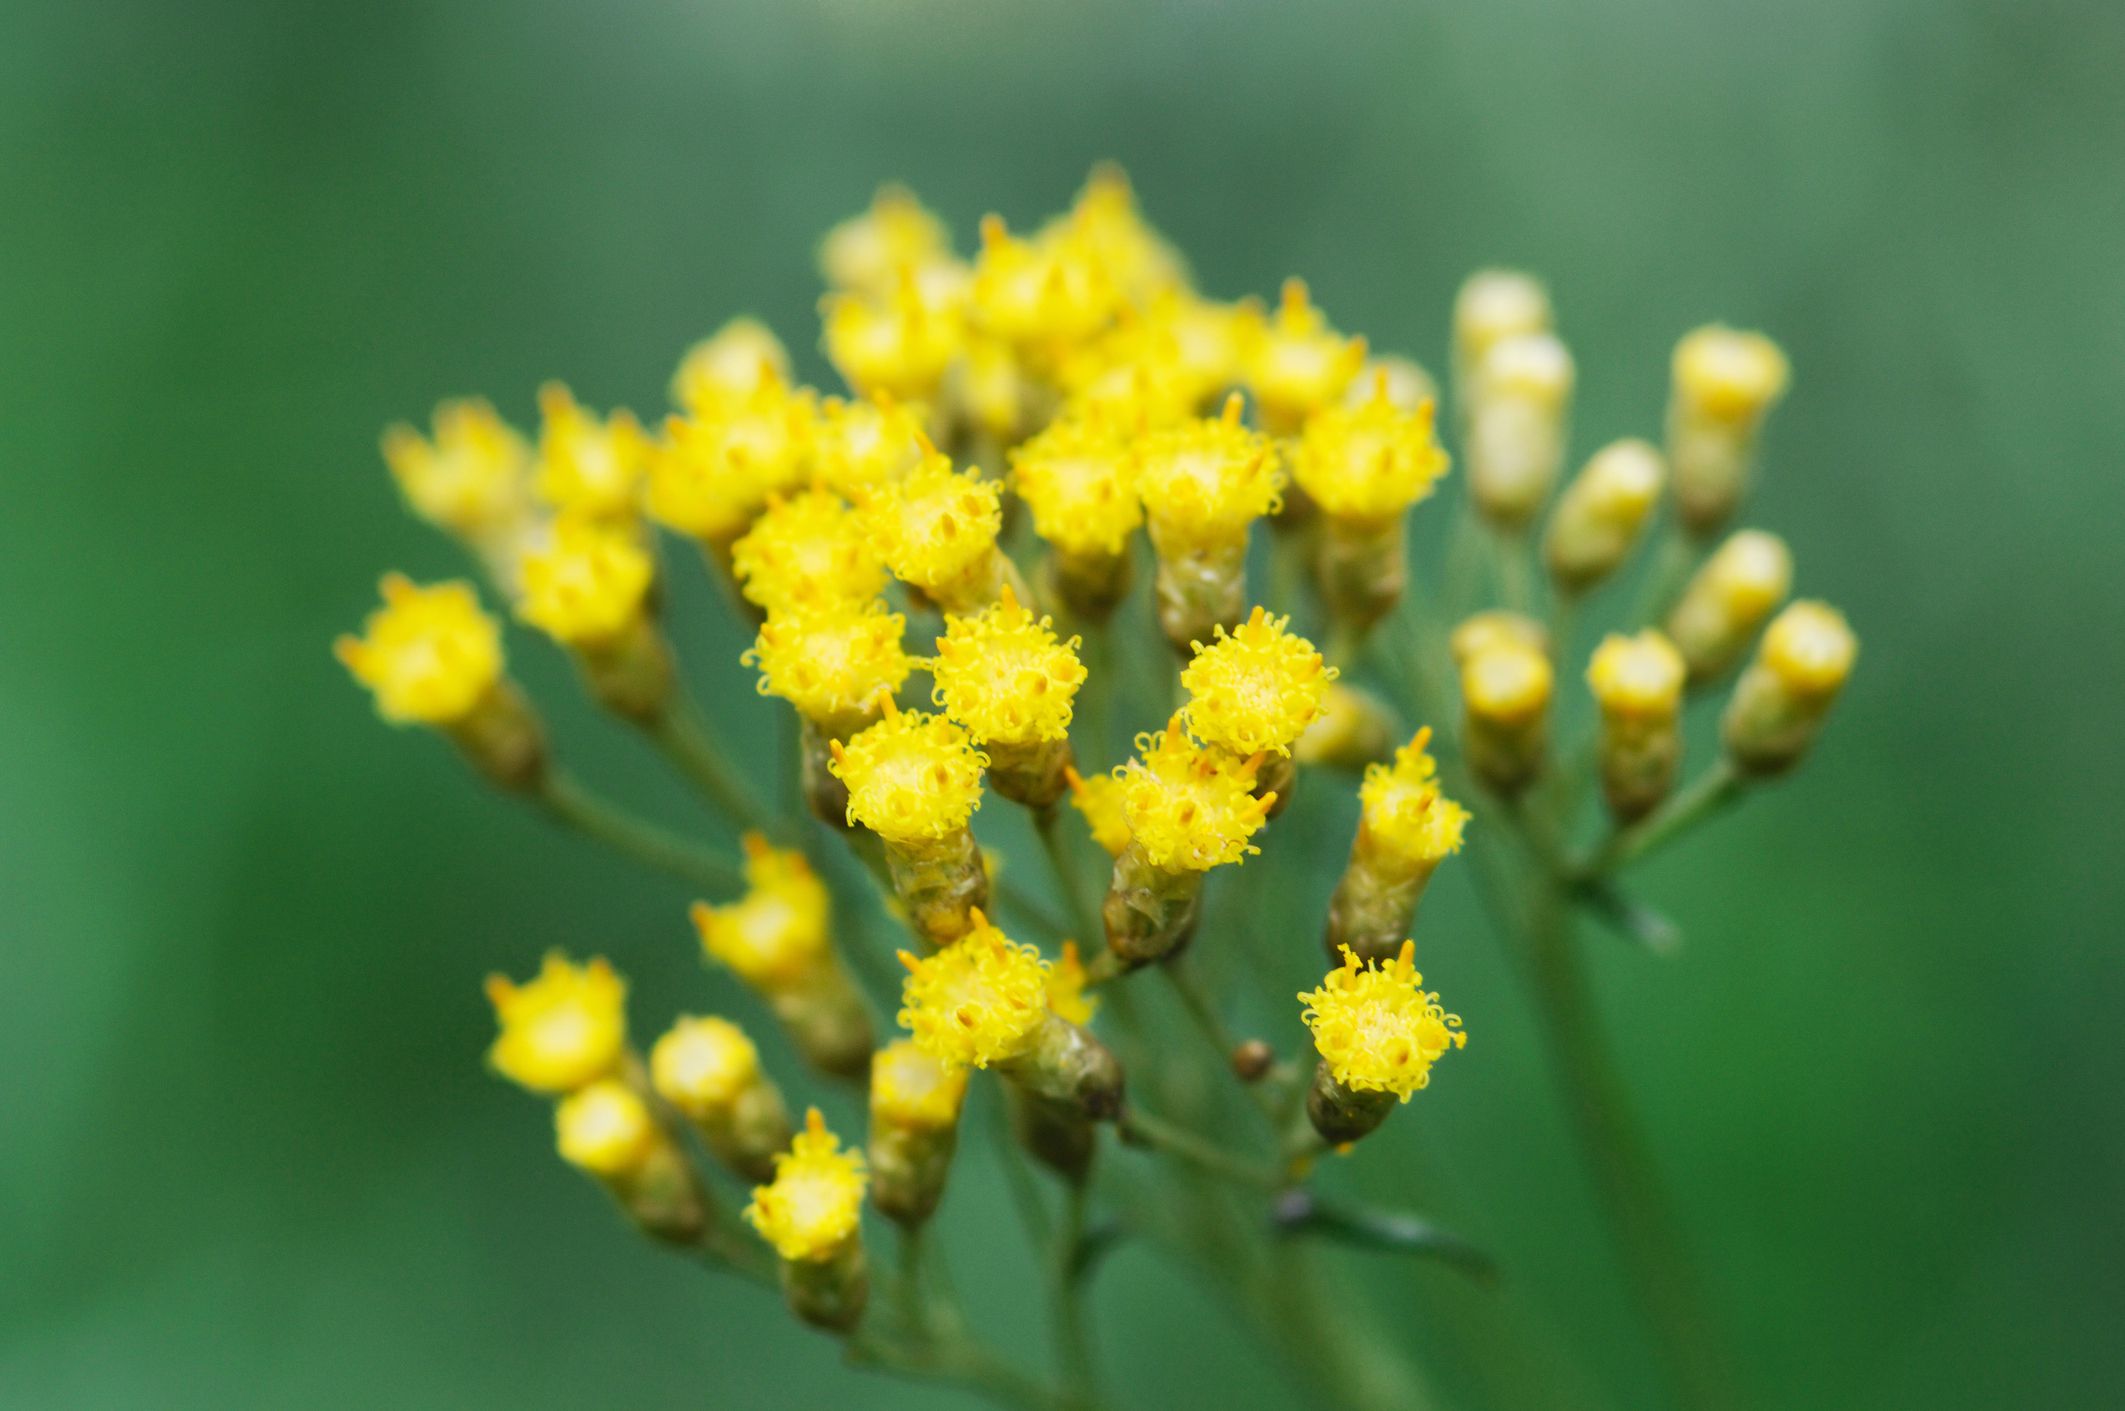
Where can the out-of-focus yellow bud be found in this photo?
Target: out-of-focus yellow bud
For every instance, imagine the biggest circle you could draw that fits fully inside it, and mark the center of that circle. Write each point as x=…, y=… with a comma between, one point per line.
x=868, y=252
x=1637, y=682
x=607, y=1130
x=1728, y=598
x=1040, y=296
x=897, y=344
x=1496, y=627
x=1067, y=995
x=1404, y=382
x=1492, y=306
x=1505, y=695
x=723, y=462
x=562, y=1030
x=1106, y=221
x=1354, y=729
x=739, y=361
x=1078, y=480
x=1521, y=397
x=915, y=1102
x=1726, y=382
x=709, y=1071
x=588, y=467
x=1296, y=364
x=589, y=582
x=1099, y=799
x=864, y=442
x=1780, y=702
x=472, y=480
x=1601, y=513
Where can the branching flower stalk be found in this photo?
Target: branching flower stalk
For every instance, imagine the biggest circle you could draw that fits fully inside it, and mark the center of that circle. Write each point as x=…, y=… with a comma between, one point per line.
x=1121, y=404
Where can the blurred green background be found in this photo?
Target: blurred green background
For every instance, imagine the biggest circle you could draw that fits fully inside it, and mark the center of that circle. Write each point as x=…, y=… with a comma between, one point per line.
x=250, y=1155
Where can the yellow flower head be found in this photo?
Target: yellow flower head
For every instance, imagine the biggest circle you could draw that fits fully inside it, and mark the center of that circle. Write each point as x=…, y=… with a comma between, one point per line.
x=1004, y=675
x=978, y=1001
x=897, y=343
x=1810, y=648
x=809, y=548
x=776, y=933
x=1507, y=682
x=1371, y=462
x=1377, y=1028
x=1729, y=375
x=1637, y=676
x=1039, y=294
x=911, y=777
x=1099, y=799
x=561, y=1030
x=1205, y=482
x=1494, y=305
x=606, y=1129
x=911, y=1087
x=741, y=359
x=1401, y=382
x=1296, y=363
x=1403, y=809
x=1748, y=575
x=1496, y=627
x=868, y=251
x=1078, y=480
x=1067, y=996
x=429, y=655
x=703, y=1066
x=472, y=478
x=864, y=442
x=1132, y=376
x=588, y=466
x=1530, y=367
x=588, y=583
x=833, y=661
x=721, y=465
x=1255, y=688
x=814, y=1205
x=935, y=526
x=1621, y=483
x=1106, y=221
x=1190, y=809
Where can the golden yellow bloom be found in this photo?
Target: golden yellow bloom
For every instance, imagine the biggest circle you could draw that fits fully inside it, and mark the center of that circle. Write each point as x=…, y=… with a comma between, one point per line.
x=833, y=661
x=703, y=1066
x=1403, y=810
x=741, y=359
x=1067, y=996
x=1205, y=482
x=810, y=548
x=561, y=1030
x=778, y=932
x=1376, y=1026
x=1004, y=675
x=1810, y=648
x=911, y=1087
x=722, y=464
x=935, y=527
x=868, y=251
x=472, y=479
x=1507, y=681
x=990, y=387
x=1729, y=375
x=814, y=1205
x=588, y=583
x=1637, y=676
x=911, y=777
x=1099, y=799
x=1078, y=480
x=429, y=655
x=873, y=441
x=897, y=343
x=980, y=1000
x=1107, y=223
x=606, y=1129
x=1296, y=363
x=1370, y=462
x=1188, y=808
x=1039, y=294
x=1255, y=688
x=588, y=466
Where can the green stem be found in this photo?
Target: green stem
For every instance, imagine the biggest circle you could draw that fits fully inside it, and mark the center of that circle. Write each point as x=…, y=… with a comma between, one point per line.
x=1702, y=797
x=958, y=1362
x=679, y=732
x=1090, y=932
x=1073, y=1338
x=1140, y=1128
x=1187, y=987
x=569, y=802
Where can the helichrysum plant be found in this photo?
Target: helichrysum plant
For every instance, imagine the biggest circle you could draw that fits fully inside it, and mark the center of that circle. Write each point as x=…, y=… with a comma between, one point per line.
x=1081, y=557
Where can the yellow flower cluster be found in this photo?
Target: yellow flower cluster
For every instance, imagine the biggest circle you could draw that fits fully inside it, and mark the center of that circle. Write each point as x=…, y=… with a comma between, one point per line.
x=429, y=654
x=936, y=526
x=912, y=1087
x=561, y=1030
x=472, y=478
x=702, y=1066
x=588, y=466
x=1100, y=800
x=1078, y=481
x=723, y=462
x=832, y=660
x=1296, y=364
x=1256, y=688
x=911, y=777
x=606, y=1128
x=589, y=582
x=813, y=1206
x=1403, y=810
x=1370, y=462
x=978, y=1001
x=1377, y=1028
x=1204, y=483
x=1004, y=675
x=778, y=931
x=1189, y=808
x=808, y=549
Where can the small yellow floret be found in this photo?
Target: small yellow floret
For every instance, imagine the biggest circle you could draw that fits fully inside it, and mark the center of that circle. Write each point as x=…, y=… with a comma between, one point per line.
x=588, y=583
x=911, y=1087
x=935, y=526
x=1371, y=462
x=1205, y=482
x=978, y=1001
x=561, y=1030
x=1507, y=682
x=720, y=466
x=1296, y=363
x=864, y=442
x=1005, y=676
x=1106, y=220
x=1099, y=799
x=1637, y=676
x=1040, y=294
x=898, y=343
x=1078, y=480
x=588, y=466
x=703, y=1066
x=1255, y=688
x=429, y=655
x=810, y=548
x=776, y=933
x=1190, y=809
x=1376, y=1026
x=868, y=251
x=1810, y=648
x=911, y=777
x=1067, y=996
x=831, y=660
x=1728, y=374
x=738, y=360
x=606, y=1129
x=1403, y=809
x=472, y=478
x=1749, y=574
x=814, y=1205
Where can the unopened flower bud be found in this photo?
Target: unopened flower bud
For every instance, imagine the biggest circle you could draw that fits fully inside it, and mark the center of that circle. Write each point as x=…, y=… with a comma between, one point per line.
x=1492, y=306
x=1505, y=696
x=1251, y=1060
x=607, y=1130
x=1494, y=627
x=563, y=1030
x=1601, y=513
x=1204, y=484
x=1728, y=598
x=709, y=1071
x=590, y=588
x=1296, y=364
x=1515, y=449
x=1378, y=1032
x=1355, y=728
x=1637, y=683
x=915, y=1102
x=1725, y=383
x=812, y=1214
x=1078, y=479
x=1780, y=701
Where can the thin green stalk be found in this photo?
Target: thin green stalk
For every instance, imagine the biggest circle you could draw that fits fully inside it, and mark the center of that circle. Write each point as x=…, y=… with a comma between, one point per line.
x=561, y=797
x=1140, y=1128
x=1701, y=798
x=1090, y=931
x=909, y=1286
x=1190, y=992
x=1073, y=1336
x=680, y=733
x=959, y=1362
